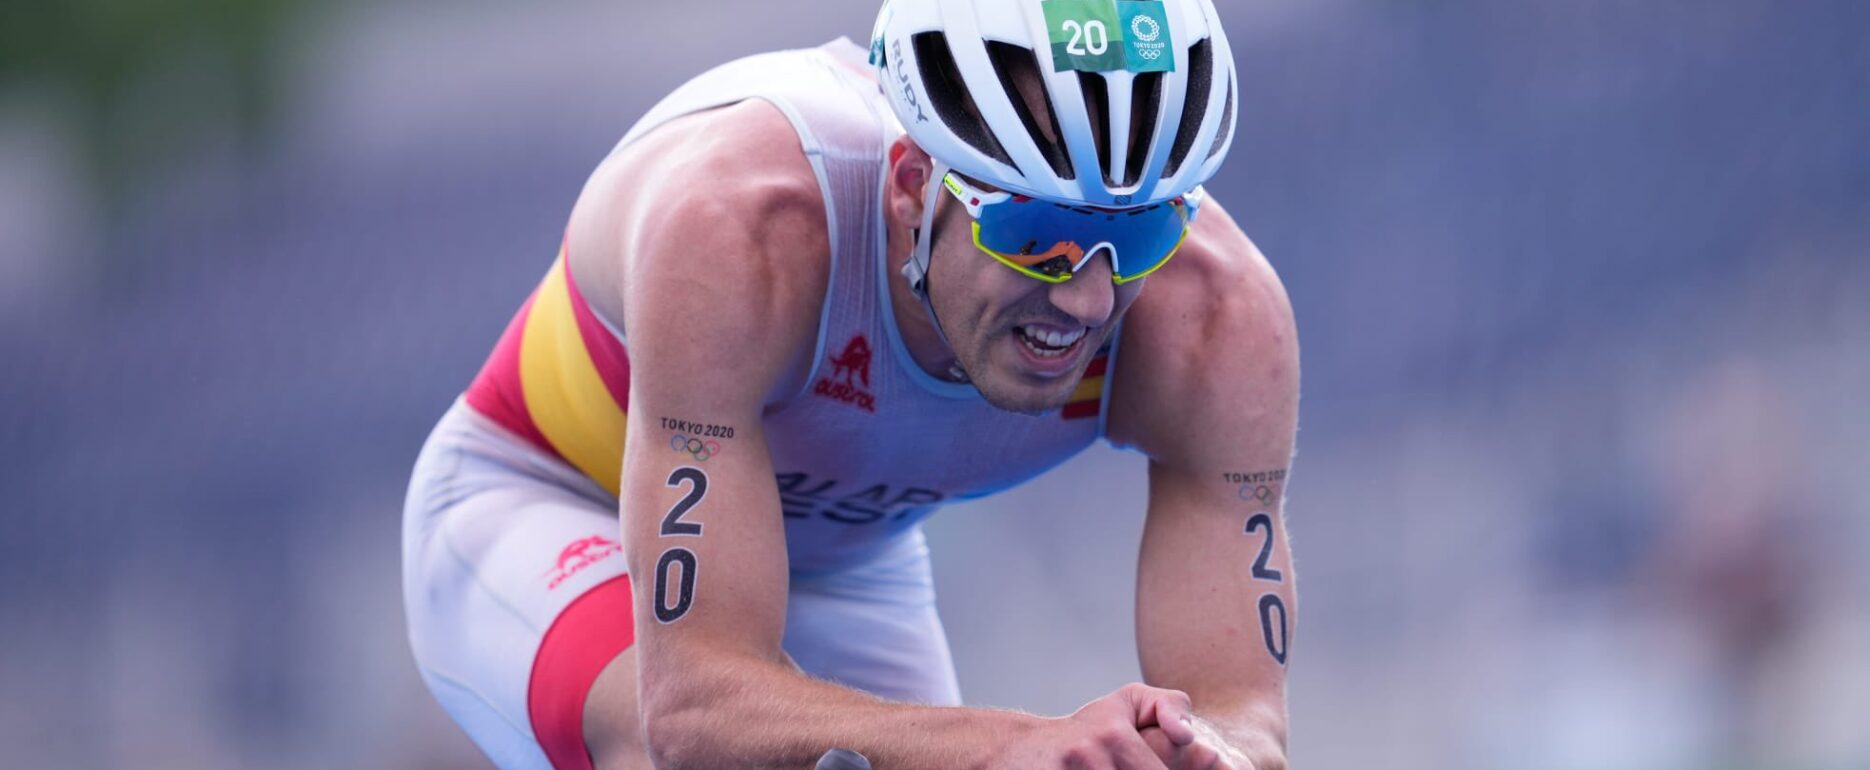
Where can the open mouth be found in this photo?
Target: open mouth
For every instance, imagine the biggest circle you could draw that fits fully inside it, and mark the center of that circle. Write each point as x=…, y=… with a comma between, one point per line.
x=1049, y=343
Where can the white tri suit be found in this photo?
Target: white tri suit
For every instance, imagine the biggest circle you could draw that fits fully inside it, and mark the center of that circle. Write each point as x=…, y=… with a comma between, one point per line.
x=513, y=575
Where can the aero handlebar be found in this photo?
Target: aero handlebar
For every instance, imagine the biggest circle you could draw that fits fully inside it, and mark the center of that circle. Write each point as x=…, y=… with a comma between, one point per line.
x=843, y=759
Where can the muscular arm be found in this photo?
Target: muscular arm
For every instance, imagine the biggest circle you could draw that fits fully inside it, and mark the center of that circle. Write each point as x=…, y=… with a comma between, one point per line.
x=1212, y=397
x=724, y=284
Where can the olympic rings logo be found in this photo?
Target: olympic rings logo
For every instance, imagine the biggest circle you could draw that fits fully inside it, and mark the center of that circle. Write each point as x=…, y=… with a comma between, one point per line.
x=1260, y=492
x=697, y=448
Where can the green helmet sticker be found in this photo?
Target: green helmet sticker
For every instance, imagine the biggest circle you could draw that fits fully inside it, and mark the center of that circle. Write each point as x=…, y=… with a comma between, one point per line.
x=1109, y=35
x=1085, y=35
x=1146, y=43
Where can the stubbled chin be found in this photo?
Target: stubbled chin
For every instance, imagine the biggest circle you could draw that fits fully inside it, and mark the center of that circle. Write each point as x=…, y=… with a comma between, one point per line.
x=1026, y=403
x=1010, y=387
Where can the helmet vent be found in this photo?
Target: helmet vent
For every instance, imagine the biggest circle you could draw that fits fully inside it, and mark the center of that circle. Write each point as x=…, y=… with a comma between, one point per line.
x=949, y=93
x=1200, y=80
x=1145, y=103
x=1227, y=122
x=1097, y=103
x=1019, y=74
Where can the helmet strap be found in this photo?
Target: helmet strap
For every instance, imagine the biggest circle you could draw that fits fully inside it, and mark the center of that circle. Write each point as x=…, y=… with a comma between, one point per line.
x=916, y=268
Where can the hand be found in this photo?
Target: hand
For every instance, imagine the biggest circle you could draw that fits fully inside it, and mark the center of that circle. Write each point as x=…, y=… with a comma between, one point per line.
x=1202, y=749
x=1106, y=734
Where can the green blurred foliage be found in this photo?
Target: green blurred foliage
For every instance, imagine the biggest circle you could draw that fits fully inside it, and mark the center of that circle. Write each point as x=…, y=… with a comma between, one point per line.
x=148, y=82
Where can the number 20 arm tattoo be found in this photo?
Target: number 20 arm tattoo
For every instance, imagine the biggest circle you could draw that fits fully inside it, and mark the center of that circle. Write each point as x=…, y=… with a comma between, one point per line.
x=674, y=526
x=1275, y=622
x=1277, y=640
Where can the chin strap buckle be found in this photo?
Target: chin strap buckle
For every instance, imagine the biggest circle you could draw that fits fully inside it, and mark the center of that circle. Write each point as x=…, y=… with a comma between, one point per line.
x=918, y=278
x=914, y=268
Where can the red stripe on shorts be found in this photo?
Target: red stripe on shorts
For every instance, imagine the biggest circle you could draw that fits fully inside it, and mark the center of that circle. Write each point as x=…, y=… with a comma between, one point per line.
x=585, y=638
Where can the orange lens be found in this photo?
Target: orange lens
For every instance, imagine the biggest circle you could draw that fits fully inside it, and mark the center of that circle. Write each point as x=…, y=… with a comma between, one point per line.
x=1072, y=252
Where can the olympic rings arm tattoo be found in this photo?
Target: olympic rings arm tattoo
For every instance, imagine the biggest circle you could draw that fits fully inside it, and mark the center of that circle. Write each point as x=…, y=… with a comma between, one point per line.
x=700, y=441
x=1263, y=488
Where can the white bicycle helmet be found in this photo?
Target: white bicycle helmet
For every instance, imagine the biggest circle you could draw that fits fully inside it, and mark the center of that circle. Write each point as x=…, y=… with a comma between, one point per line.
x=1138, y=96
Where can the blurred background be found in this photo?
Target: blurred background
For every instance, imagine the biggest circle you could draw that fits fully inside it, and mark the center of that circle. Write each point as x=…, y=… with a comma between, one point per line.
x=1583, y=286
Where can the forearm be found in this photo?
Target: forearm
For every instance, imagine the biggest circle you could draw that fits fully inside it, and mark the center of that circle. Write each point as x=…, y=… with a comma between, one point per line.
x=1217, y=604
x=752, y=713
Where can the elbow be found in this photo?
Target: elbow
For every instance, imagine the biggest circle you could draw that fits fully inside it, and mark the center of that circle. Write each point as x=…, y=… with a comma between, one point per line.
x=675, y=722
x=672, y=735
x=694, y=708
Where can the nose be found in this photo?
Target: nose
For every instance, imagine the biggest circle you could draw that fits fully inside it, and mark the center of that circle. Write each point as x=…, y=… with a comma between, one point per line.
x=1089, y=296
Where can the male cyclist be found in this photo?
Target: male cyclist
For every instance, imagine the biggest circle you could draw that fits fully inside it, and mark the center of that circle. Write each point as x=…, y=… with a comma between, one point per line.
x=823, y=294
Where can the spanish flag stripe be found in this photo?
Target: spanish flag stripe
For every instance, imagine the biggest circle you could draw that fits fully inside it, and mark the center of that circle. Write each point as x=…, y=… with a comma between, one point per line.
x=1088, y=398
x=567, y=397
x=606, y=352
x=1092, y=385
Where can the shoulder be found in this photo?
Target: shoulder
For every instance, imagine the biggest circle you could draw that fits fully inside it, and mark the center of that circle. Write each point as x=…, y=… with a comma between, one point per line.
x=716, y=219
x=1211, y=346
x=730, y=186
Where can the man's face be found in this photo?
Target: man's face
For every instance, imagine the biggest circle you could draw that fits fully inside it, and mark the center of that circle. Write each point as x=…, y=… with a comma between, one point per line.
x=1024, y=343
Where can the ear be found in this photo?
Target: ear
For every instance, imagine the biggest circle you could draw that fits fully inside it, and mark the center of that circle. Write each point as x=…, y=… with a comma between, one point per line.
x=910, y=168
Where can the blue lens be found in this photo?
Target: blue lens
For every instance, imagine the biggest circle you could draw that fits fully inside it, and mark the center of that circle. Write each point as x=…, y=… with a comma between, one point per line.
x=1031, y=232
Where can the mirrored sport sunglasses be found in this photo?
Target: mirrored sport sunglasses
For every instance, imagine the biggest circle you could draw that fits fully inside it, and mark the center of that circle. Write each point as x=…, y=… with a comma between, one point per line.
x=1052, y=241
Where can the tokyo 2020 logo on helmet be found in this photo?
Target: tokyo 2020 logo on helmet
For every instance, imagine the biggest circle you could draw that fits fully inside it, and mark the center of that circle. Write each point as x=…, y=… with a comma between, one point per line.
x=1111, y=103
x=1145, y=28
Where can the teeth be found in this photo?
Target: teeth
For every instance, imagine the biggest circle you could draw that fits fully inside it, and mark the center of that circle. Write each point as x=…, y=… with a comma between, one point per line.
x=1048, y=343
x=1039, y=351
x=1054, y=338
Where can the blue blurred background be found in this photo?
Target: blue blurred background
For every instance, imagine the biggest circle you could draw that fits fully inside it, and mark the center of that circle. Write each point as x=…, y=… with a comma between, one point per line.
x=1583, y=287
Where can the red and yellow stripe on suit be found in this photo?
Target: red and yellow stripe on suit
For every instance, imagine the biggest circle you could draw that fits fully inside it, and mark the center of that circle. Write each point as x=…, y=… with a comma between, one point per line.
x=560, y=379
x=1088, y=398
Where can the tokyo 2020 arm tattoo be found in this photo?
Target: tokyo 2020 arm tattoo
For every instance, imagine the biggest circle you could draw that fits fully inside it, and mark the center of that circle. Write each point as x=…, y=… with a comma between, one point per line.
x=1266, y=488
x=699, y=440
x=700, y=429
x=672, y=608
x=1262, y=487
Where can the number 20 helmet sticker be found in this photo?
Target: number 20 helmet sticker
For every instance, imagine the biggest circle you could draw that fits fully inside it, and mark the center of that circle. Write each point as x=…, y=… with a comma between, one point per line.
x=1109, y=35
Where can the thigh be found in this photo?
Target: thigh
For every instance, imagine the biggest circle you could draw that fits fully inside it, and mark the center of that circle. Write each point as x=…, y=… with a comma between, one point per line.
x=515, y=591
x=875, y=628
